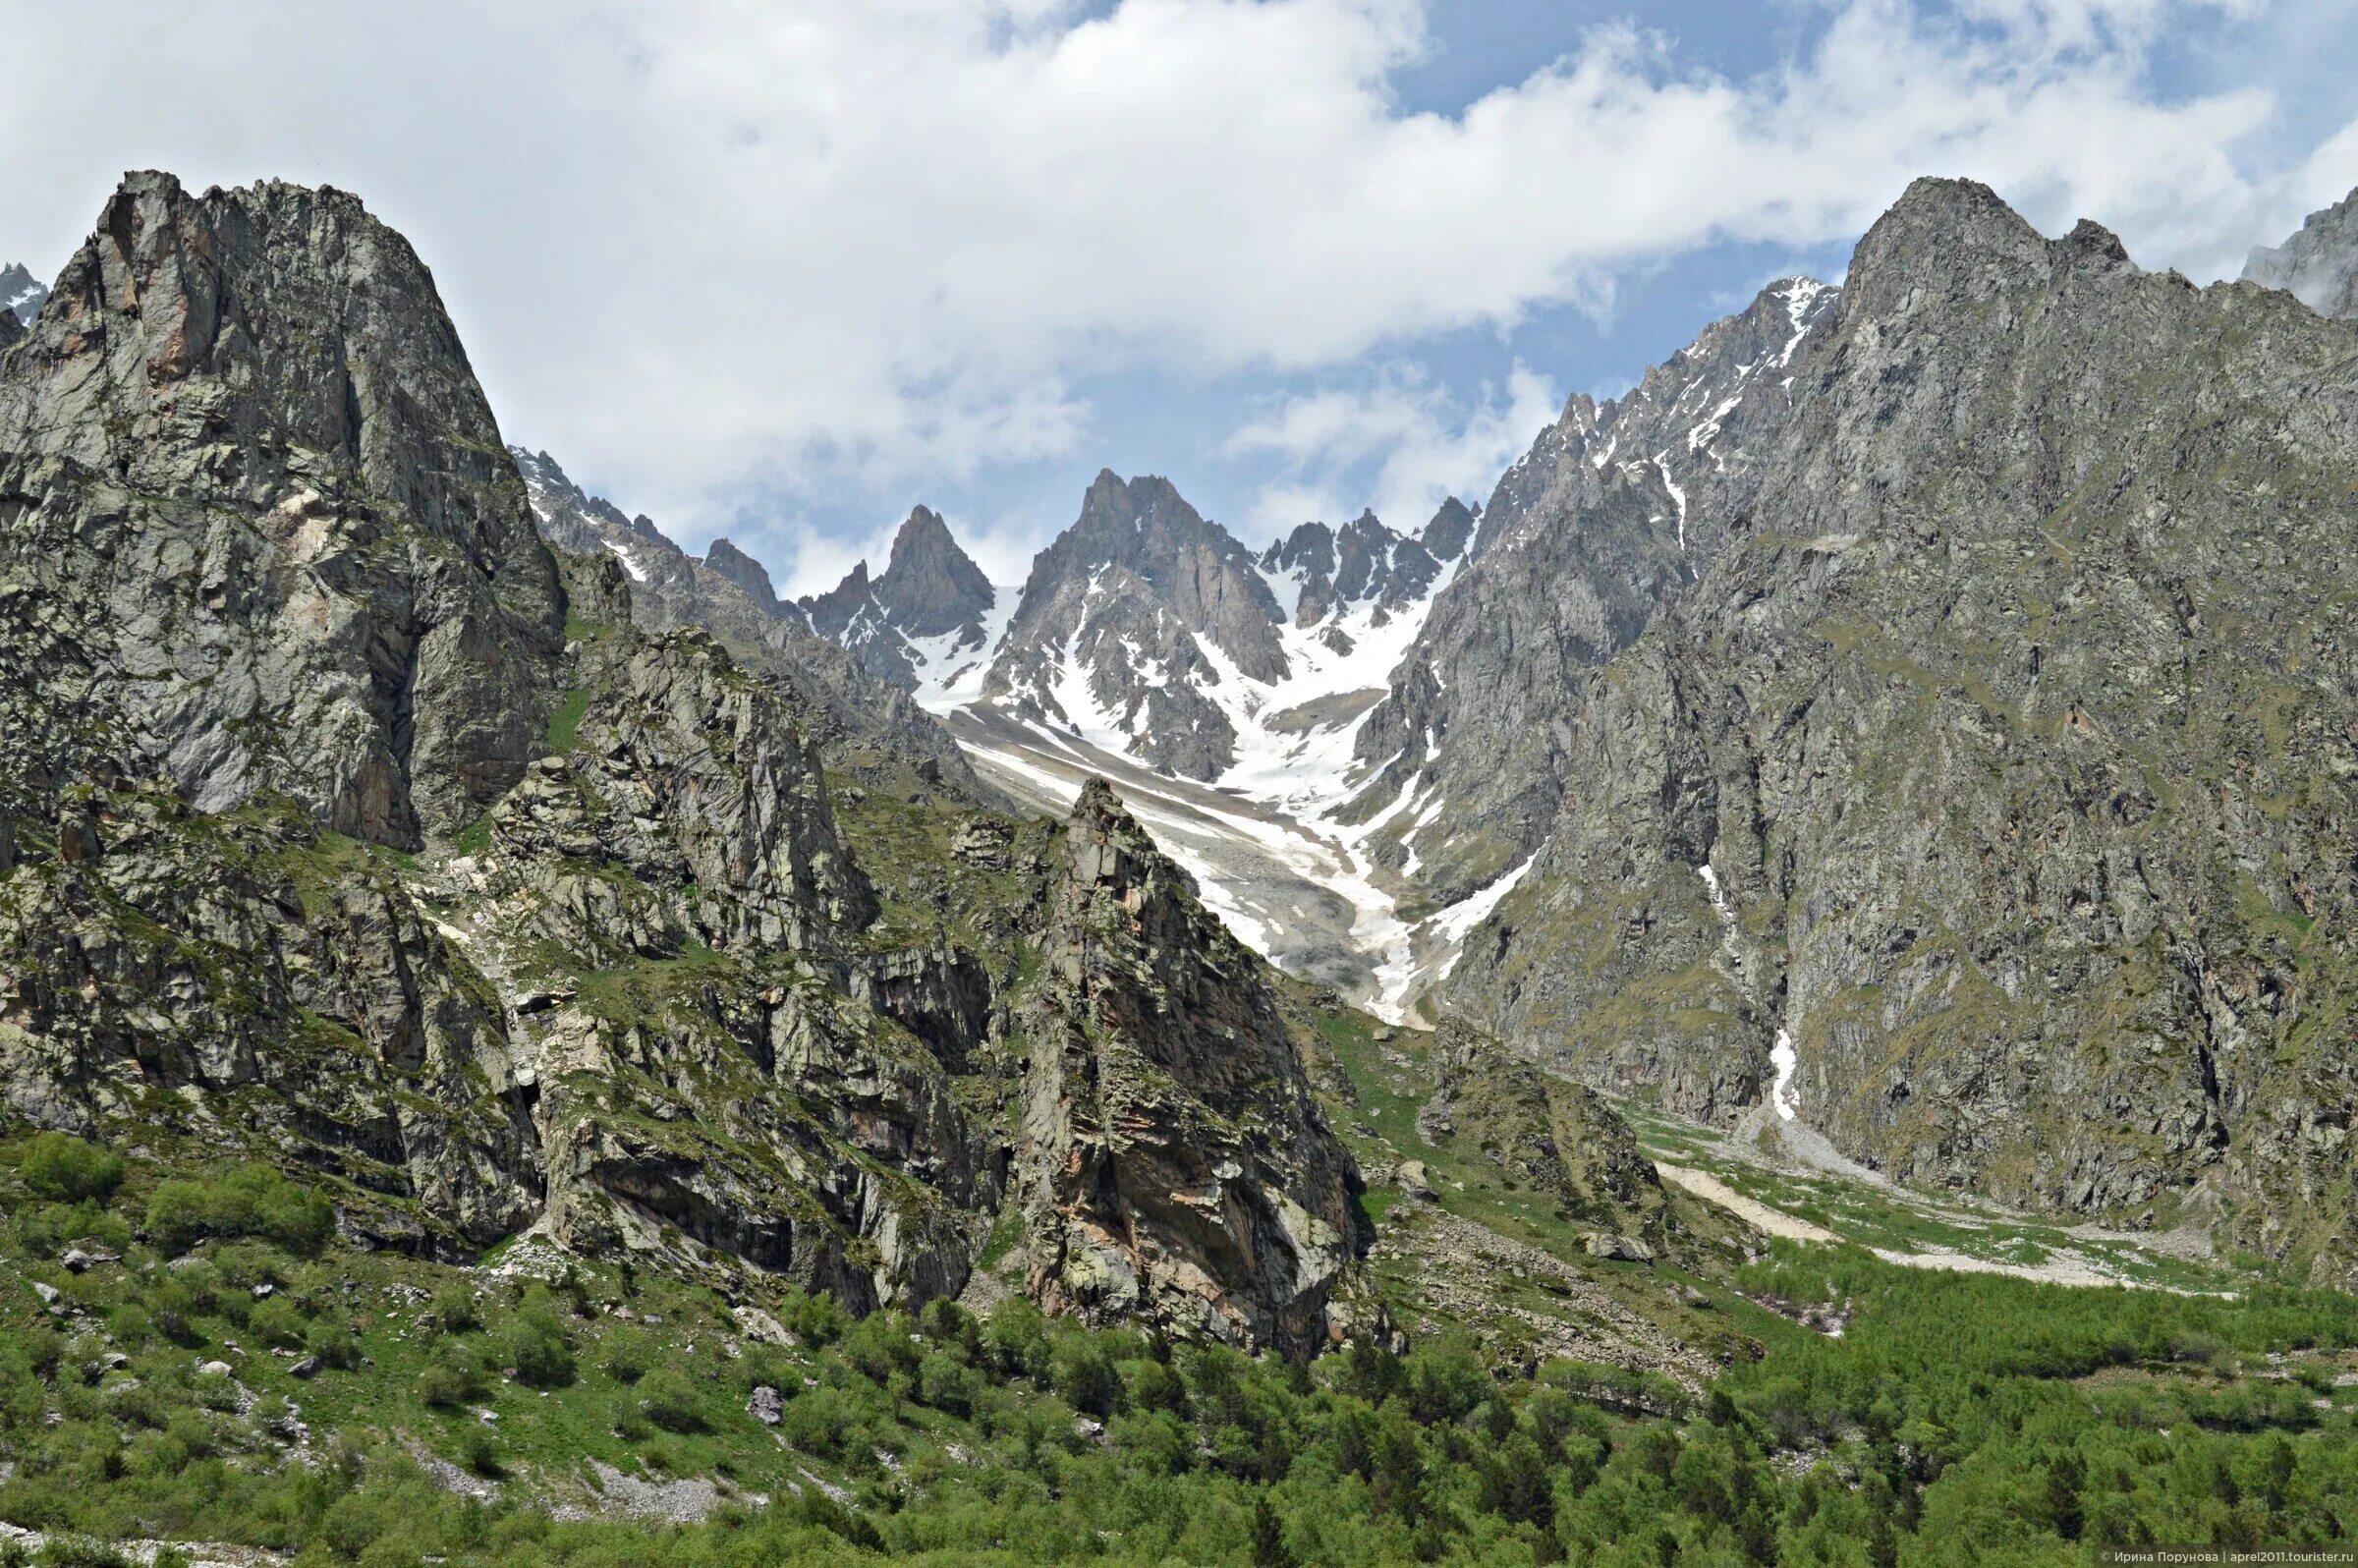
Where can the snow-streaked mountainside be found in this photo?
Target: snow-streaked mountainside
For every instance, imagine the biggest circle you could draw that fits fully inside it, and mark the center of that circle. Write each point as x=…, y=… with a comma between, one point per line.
x=1286, y=719
x=22, y=292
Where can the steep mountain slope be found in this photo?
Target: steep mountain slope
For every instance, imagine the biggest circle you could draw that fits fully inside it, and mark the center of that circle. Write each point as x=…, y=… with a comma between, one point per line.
x=2317, y=265
x=1992, y=791
x=728, y=594
x=929, y=623
x=1610, y=516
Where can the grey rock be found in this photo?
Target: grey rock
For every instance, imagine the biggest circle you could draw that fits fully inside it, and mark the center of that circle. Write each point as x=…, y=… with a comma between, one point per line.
x=2319, y=265
x=1626, y=1248
x=1135, y=591
x=2011, y=732
x=1176, y=1168
x=1613, y=513
x=256, y=529
x=929, y=589
x=304, y=1370
x=766, y=1404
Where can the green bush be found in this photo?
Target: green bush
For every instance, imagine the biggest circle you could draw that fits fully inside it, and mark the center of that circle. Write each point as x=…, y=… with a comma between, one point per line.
x=248, y=1200
x=454, y=1309
x=628, y=1356
x=669, y=1400
x=536, y=1343
x=62, y=1166
x=451, y=1377
x=335, y=1345
x=276, y=1323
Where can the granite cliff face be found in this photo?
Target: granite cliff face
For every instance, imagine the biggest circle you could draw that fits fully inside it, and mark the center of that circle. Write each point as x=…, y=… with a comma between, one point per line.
x=2319, y=265
x=256, y=528
x=1175, y=1166
x=2000, y=762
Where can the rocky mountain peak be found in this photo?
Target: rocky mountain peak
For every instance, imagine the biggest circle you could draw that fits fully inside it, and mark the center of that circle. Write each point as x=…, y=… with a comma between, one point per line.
x=1447, y=532
x=261, y=386
x=930, y=587
x=2319, y=265
x=21, y=295
x=747, y=572
x=1943, y=240
x=832, y=612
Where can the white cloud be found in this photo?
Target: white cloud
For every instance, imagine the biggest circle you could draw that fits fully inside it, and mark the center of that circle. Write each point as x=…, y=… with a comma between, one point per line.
x=1400, y=440
x=703, y=249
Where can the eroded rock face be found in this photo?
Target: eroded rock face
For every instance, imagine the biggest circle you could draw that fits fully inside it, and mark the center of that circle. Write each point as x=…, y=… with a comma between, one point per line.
x=245, y=983
x=2014, y=733
x=1617, y=509
x=256, y=528
x=2319, y=265
x=1176, y=1169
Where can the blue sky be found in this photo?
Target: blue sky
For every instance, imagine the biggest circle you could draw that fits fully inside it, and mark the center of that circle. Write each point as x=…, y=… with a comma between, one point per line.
x=781, y=273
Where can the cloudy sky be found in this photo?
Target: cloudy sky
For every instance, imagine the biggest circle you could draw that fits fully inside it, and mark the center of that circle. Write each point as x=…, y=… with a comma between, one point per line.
x=781, y=270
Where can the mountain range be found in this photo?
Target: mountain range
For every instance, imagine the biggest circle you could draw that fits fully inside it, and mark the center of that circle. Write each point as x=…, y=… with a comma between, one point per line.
x=1900, y=755
x=1680, y=763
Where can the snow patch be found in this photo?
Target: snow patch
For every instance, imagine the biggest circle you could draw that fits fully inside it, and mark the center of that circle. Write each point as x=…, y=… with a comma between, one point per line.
x=1782, y=1058
x=630, y=562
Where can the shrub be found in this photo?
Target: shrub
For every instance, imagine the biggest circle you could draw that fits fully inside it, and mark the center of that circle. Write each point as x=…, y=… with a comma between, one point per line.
x=335, y=1345
x=669, y=1400
x=275, y=1322
x=629, y=1354
x=454, y=1305
x=482, y=1450
x=62, y=1166
x=248, y=1201
x=1086, y=1377
x=450, y=1378
x=536, y=1343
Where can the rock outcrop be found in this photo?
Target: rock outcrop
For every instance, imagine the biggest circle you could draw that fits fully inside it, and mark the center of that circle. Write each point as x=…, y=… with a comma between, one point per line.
x=258, y=532
x=1175, y=1166
x=246, y=983
x=1555, y=1136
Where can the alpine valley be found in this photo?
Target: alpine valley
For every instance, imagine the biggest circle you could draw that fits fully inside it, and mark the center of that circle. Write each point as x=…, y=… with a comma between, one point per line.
x=1782, y=988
